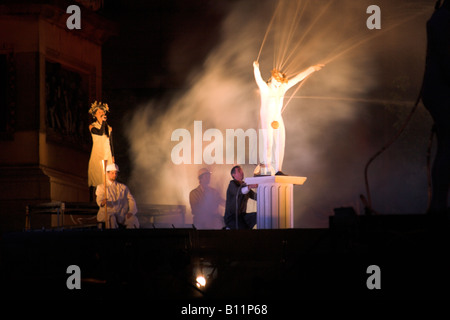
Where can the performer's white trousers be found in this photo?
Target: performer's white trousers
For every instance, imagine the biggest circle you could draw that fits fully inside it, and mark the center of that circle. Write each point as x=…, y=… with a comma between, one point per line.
x=273, y=142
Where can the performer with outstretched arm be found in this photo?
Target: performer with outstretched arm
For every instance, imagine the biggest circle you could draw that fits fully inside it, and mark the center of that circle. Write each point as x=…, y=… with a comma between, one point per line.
x=272, y=125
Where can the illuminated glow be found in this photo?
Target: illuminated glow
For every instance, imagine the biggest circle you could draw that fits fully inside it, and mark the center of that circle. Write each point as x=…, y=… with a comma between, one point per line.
x=272, y=96
x=279, y=76
x=201, y=281
x=224, y=96
x=104, y=165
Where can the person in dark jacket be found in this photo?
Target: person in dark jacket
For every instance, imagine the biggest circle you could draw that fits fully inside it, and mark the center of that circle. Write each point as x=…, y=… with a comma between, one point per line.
x=238, y=193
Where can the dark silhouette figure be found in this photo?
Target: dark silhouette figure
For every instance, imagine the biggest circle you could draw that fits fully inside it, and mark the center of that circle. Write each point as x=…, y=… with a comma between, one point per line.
x=436, y=98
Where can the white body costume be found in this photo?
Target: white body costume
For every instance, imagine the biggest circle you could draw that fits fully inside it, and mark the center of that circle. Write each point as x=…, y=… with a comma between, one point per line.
x=272, y=97
x=120, y=202
x=101, y=150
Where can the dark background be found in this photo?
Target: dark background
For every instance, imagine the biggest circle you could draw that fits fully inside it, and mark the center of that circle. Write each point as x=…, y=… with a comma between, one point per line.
x=156, y=45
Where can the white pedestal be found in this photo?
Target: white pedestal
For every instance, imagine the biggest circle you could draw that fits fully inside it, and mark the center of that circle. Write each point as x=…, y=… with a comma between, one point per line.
x=275, y=202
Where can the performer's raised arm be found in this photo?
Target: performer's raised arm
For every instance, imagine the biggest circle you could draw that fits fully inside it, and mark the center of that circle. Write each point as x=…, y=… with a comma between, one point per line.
x=259, y=80
x=302, y=75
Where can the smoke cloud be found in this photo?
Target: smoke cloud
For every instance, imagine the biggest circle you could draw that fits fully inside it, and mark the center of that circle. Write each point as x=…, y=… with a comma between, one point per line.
x=334, y=120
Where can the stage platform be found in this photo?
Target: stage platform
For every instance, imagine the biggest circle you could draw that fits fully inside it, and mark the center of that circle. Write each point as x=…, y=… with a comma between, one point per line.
x=332, y=263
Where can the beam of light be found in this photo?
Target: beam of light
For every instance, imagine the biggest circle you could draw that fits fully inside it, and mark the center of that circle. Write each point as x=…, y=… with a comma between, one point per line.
x=305, y=33
x=220, y=90
x=374, y=101
x=293, y=94
x=373, y=36
x=267, y=31
x=288, y=22
x=357, y=44
x=287, y=35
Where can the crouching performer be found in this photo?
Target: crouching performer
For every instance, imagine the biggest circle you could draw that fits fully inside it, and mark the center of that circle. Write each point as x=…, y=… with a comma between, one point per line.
x=117, y=203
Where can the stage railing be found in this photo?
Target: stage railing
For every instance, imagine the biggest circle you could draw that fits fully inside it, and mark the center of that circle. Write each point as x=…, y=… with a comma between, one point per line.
x=61, y=210
x=154, y=215
x=149, y=215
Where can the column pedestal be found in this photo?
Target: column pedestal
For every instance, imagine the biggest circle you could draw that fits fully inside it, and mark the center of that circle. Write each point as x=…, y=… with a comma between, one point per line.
x=275, y=202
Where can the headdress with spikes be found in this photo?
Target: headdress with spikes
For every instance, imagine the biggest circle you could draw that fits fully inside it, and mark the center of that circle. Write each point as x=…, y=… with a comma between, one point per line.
x=279, y=76
x=98, y=105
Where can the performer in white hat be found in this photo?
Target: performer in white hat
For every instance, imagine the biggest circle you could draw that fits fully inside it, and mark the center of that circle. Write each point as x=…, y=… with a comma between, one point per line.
x=119, y=202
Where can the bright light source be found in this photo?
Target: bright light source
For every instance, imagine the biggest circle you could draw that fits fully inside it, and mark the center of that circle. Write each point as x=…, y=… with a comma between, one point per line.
x=201, y=281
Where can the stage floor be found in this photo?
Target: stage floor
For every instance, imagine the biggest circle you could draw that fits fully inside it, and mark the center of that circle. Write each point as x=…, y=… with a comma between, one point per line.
x=333, y=263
